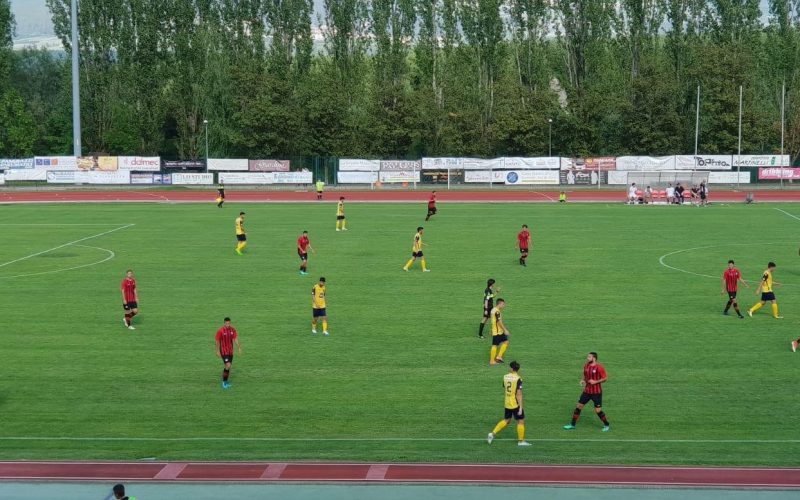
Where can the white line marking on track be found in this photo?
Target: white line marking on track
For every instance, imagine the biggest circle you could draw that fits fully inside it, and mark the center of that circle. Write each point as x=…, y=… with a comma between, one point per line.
x=787, y=213
x=66, y=244
x=110, y=256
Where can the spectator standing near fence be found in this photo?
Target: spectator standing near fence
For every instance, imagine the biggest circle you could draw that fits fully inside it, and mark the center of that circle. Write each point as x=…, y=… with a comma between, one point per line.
x=679, y=194
x=632, y=194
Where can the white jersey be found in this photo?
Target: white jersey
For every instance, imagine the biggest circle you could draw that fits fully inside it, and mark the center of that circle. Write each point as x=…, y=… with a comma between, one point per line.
x=632, y=192
x=671, y=192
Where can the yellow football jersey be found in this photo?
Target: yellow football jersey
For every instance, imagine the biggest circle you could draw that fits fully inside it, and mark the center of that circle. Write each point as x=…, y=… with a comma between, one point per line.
x=417, y=243
x=239, y=225
x=511, y=383
x=340, y=208
x=318, y=297
x=767, y=282
x=496, y=320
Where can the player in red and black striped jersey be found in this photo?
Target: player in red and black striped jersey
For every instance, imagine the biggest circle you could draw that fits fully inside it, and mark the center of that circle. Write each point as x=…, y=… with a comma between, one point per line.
x=130, y=299
x=224, y=340
x=730, y=281
x=303, y=246
x=431, y=206
x=592, y=382
x=524, y=243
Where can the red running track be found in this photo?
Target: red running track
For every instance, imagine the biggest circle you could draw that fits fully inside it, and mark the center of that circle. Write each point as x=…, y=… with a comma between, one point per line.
x=402, y=473
x=167, y=196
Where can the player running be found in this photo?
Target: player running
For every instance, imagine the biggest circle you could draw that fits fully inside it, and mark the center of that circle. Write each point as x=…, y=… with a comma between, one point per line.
x=524, y=244
x=766, y=288
x=241, y=234
x=303, y=246
x=592, y=382
x=730, y=280
x=318, y=307
x=499, y=334
x=416, y=252
x=223, y=346
x=341, y=222
x=130, y=299
x=431, y=206
x=488, y=304
x=512, y=390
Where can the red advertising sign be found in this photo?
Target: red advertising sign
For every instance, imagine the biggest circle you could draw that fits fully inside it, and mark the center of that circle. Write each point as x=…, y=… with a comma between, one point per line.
x=779, y=173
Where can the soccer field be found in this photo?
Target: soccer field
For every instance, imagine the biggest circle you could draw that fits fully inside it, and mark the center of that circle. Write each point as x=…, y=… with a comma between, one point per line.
x=402, y=376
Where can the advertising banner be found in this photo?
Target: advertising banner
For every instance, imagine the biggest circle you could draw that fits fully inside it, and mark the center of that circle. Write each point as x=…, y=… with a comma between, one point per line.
x=481, y=164
x=228, y=165
x=140, y=178
x=399, y=165
x=100, y=177
x=703, y=162
x=87, y=163
x=485, y=176
x=165, y=179
x=60, y=176
x=779, y=173
x=185, y=164
x=356, y=177
x=595, y=163
x=617, y=178
x=399, y=176
x=517, y=177
x=646, y=163
x=761, y=161
x=268, y=165
x=302, y=177
x=139, y=163
x=517, y=163
x=575, y=177
x=442, y=163
x=55, y=162
x=359, y=165
x=9, y=163
x=107, y=163
x=729, y=177
x=26, y=174
x=2, y=179
x=246, y=177
x=192, y=178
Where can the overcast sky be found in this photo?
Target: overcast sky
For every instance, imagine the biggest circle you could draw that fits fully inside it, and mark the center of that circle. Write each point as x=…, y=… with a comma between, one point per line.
x=33, y=18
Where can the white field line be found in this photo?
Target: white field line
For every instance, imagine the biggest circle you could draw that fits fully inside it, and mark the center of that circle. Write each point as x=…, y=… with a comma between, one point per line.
x=56, y=224
x=110, y=256
x=66, y=244
x=661, y=260
x=390, y=439
x=787, y=213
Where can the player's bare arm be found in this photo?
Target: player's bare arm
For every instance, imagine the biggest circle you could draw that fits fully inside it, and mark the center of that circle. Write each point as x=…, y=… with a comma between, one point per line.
x=238, y=345
x=216, y=348
x=519, y=401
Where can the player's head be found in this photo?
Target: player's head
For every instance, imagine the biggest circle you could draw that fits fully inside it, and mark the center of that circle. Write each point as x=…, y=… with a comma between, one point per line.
x=305, y=233
x=591, y=357
x=241, y=214
x=433, y=192
x=490, y=283
x=524, y=226
x=322, y=281
x=633, y=183
x=341, y=198
x=118, y=490
x=227, y=321
x=730, y=264
x=501, y=303
x=771, y=265
x=420, y=229
x=514, y=366
x=129, y=273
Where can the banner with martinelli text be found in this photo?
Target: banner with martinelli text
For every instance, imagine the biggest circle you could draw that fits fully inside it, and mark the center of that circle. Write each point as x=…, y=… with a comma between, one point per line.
x=761, y=160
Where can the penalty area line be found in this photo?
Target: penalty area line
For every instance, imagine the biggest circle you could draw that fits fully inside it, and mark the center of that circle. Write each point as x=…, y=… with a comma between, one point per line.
x=787, y=213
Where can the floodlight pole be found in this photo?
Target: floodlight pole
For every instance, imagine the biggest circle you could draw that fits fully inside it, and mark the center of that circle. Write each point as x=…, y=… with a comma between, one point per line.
x=739, y=151
x=783, y=124
x=550, y=135
x=696, y=126
x=205, y=124
x=76, y=84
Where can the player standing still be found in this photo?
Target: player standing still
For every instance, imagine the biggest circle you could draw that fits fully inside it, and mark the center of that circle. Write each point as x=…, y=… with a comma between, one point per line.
x=416, y=252
x=524, y=243
x=730, y=280
x=303, y=246
x=766, y=288
x=499, y=334
x=130, y=299
x=431, y=206
x=241, y=234
x=220, y=195
x=512, y=391
x=488, y=304
x=341, y=222
x=592, y=382
x=318, y=307
x=224, y=340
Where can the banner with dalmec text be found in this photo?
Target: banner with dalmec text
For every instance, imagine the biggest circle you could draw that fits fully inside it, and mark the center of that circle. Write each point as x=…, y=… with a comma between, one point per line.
x=358, y=165
x=228, y=164
x=515, y=177
x=9, y=163
x=703, y=162
x=192, y=178
x=761, y=160
x=356, y=177
x=268, y=165
x=139, y=163
x=779, y=173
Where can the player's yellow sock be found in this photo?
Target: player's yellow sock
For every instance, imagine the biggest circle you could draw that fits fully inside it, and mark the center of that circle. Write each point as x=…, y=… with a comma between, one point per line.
x=424, y=265
x=499, y=427
x=503, y=348
x=344, y=223
x=324, y=325
x=408, y=264
x=756, y=307
x=493, y=354
x=775, y=310
x=521, y=431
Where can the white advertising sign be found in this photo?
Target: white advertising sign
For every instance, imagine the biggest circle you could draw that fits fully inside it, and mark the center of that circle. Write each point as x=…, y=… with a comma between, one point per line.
x=481, y=164
x=759, y=161
x=60, y=176
x=616, y=177
x=399, y=165
x=226, y=164
x=515, y=163
x=55, y=162
x=703, y=162
x=137, y=178
x=729, y=177
x=442, y=163
x=191, y=178
x=8, y=163
x=359, y=165
x=485, y=176
x=2, y=179
x=140, y=163
x=99, y=177
x=302, y=177
x=26, y=174
x=516, y=177
x=646, y=163
x=246, y=177
x=399, y=176
x=356, y=177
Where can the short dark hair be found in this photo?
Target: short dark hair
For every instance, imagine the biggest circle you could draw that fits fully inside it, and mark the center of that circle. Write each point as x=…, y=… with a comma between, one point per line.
x=241, y=213
x=730, y=262
x=771, y=264
x=594, y=355
x=341, y=197
x=501, y=300
x=490, y=282
x=305, y=232
x=322, y=280
x=514, y=366
x=118, y=489
x=129, y=271
x=420, y=228
x=226, y=319
x=524, y=225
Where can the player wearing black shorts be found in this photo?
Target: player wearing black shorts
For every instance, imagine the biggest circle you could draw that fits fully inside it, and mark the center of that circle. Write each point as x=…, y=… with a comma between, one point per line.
x=488, y=303
x=512, y=391
x=592, y=382
x=224, y=340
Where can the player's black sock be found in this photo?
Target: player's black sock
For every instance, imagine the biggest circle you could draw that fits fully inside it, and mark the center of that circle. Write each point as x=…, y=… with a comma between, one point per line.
x=576, y=415
x=602, y=416
x=128, y=319
x=736, y=306
x=225, y=374
x=728, y=306
x=480, y=330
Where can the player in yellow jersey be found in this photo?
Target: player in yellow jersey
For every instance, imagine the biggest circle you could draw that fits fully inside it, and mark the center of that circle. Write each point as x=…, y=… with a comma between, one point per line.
x=499, y=333
x=766, y=289
x=241, y=234
x=416, y=251
x=341, y=222
x=318, y=306
x=512, y=390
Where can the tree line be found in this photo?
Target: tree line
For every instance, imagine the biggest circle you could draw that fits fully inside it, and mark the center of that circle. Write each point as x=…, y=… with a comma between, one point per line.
x=407, y=78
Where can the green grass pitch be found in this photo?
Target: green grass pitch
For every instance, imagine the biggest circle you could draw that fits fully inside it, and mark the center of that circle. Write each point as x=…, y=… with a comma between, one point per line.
x=403, y=376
